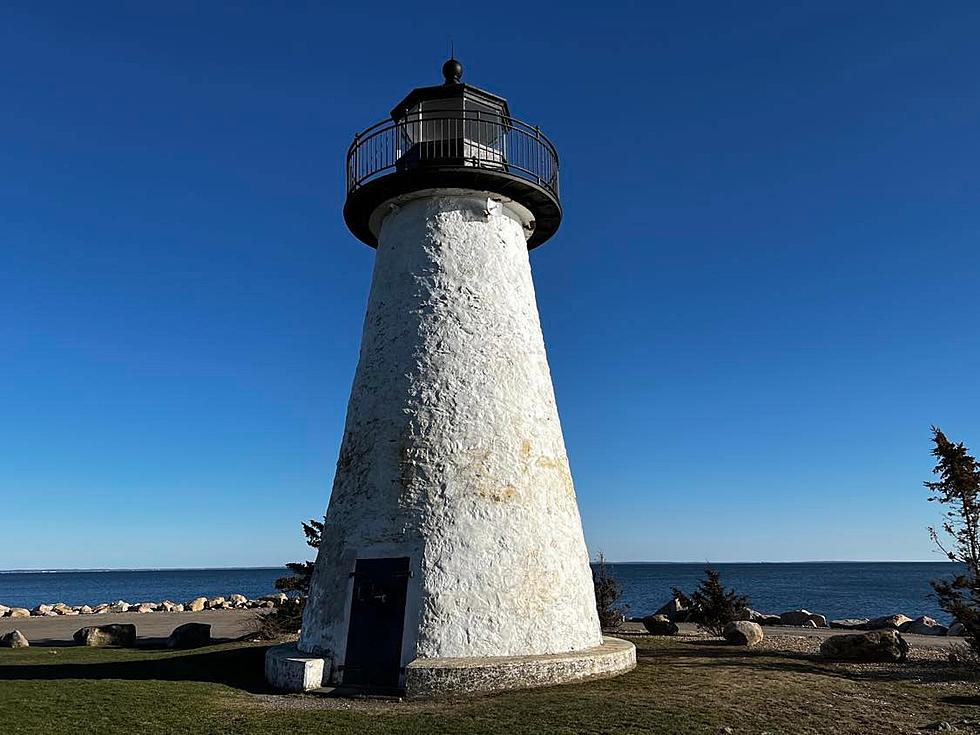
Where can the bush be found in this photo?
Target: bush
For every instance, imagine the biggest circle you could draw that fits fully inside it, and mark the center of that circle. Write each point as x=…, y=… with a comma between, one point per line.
x=606, y=593
x=715, y=606
x=283, y=621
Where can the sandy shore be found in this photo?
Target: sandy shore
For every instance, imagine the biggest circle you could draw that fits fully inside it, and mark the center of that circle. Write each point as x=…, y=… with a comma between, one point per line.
x=230, y=624
x=58, y=631
x=788, y=631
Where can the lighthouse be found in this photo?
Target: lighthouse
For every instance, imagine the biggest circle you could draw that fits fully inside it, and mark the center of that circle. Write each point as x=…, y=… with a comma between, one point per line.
x=452, y=557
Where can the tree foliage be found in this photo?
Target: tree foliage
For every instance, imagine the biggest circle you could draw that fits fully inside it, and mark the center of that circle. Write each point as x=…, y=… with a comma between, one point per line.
x=606, y=594
x=302, y=571
x=958, y=490
x=285, y=620
x=716, y=607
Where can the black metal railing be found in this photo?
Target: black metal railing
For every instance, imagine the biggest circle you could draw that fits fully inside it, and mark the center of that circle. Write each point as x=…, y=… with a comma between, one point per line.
x=481, y=140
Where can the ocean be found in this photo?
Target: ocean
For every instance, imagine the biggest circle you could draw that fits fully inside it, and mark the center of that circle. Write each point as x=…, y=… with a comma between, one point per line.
x=834, y=589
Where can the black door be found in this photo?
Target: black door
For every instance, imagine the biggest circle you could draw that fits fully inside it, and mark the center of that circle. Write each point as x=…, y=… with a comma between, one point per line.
x=377, y=620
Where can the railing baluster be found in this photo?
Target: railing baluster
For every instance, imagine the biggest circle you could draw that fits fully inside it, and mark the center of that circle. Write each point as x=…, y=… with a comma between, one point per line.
x=491, y=142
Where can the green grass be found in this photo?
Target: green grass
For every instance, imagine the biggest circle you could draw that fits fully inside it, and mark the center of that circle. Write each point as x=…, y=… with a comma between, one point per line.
x=678, y=687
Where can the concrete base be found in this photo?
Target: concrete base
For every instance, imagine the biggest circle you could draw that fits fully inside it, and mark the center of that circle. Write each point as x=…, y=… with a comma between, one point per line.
x=451, y=676
x=288, y=668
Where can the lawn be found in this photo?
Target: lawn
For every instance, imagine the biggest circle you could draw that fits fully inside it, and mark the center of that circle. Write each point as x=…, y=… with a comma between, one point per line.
x=679, y=686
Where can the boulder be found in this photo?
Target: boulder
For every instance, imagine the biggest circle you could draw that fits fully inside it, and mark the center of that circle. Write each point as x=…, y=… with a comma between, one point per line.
x=168, y=606
x=4, y=610
x=190, y=635
x=145, y=607
x=743, y=633
x=119, y=606
x=238, y=600
x=101, y=609
x=808, y=624
x=19, y=612
x=801, y=617
x=42, y=610
x=216, y=603
x=659, y=625
x=265, y=604
x=923, y=625
x=876, y=645
x=893, y=622
x=956, y=629
x=84, y=610
x=117, y=634
x=14, y=639
x=62, y=609
x=197, y=604
x=849, y=623
x=673, y=611
x=280, y=597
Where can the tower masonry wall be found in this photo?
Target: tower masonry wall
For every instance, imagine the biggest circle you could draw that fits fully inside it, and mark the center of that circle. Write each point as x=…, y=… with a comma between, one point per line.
x=453, y=453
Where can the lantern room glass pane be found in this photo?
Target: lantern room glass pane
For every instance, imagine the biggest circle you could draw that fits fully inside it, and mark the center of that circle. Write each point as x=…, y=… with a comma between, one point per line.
x=484, y=132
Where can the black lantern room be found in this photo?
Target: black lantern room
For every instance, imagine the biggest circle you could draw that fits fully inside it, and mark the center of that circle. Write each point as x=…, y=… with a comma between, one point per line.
x=452, y=136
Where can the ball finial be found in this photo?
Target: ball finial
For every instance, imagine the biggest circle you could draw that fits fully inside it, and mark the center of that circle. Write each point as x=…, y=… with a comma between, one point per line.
x=452, y=71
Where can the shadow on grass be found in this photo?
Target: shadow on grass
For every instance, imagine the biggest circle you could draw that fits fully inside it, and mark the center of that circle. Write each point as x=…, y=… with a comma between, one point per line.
x=240, y=668
x=707, y=654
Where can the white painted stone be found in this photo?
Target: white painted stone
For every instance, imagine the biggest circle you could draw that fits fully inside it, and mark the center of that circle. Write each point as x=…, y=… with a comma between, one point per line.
x=432, y=677
x=288, y=669
x=453, y=452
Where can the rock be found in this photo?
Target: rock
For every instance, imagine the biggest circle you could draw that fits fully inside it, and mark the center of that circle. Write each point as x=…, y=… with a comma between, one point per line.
x=894, y=622
x=808, y=624
x=14, y=639
x=876, y=645
x=19, y=612
x=743, y=633
x=190, y=635
x=238, y=600
x=168, y=606
x=119, y=606
x=197, y=604
x=101, y=609
x=801, y=617
x=673, y=611
x=956, y=629
x=179, y=607
x=84, y=610
x=923, y=625
x=145, y=607
x=216, y=603
x=659, y=625
x=4, y=610
x=280, y=597
x=42, y=610
x=62, y=609
x=117, y=634
x=265, y=604
x=849, y=623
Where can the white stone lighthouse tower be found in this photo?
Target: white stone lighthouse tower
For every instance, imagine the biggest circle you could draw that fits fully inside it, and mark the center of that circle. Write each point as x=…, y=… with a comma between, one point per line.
x=452, y=557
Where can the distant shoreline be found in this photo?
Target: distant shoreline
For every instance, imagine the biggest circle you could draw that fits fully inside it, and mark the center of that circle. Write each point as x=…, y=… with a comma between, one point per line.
x=607, y=561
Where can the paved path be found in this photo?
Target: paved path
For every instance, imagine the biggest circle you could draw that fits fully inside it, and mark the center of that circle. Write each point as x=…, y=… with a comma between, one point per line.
x=225, y=624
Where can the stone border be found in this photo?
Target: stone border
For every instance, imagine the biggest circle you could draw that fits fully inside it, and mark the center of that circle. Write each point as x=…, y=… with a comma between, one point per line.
x=435, y=677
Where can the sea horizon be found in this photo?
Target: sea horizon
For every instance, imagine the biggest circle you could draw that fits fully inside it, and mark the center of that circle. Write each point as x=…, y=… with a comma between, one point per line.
x=55, y=570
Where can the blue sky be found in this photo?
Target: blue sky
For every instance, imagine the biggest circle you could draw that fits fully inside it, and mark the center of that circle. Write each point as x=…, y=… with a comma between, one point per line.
x=763, y=293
